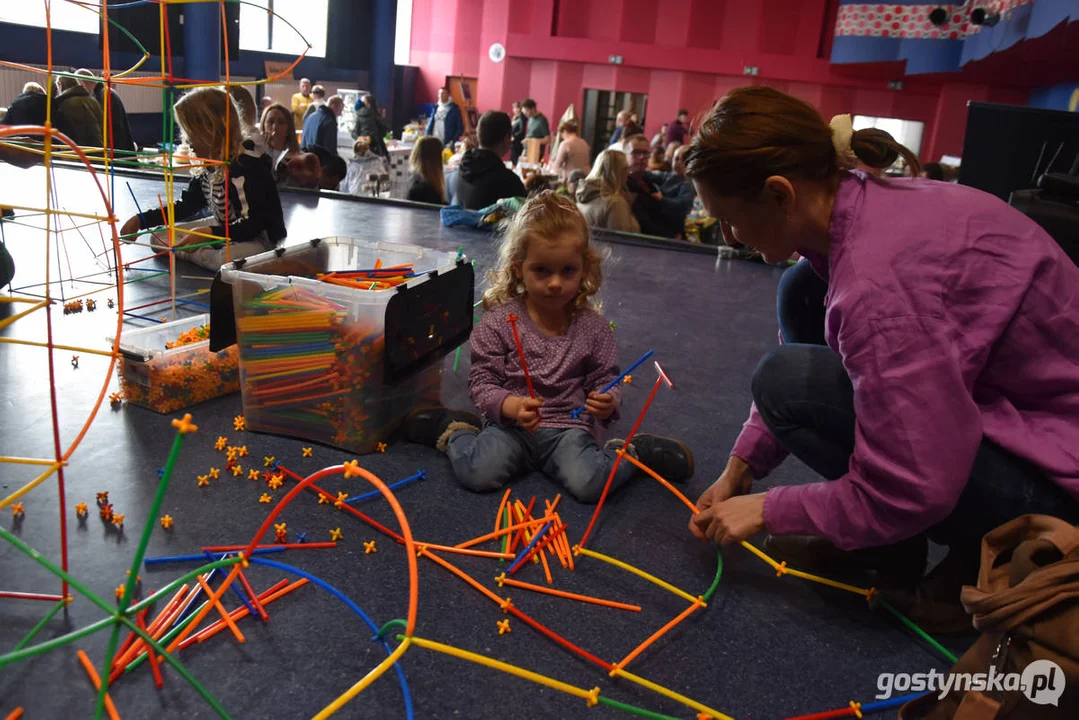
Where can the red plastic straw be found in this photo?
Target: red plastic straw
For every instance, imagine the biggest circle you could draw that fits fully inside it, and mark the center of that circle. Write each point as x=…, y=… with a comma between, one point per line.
x=30, y=596
x=141, y=620
x=521, y=353
x=841, y=712
x=614, y=466
x=347, y=508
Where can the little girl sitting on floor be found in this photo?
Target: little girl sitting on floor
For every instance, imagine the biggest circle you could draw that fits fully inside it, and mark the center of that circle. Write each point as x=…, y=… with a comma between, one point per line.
x=212, y=128
x=547, y=276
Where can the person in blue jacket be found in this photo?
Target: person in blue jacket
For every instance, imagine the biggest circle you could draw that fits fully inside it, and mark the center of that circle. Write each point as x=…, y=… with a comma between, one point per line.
x=446, y=123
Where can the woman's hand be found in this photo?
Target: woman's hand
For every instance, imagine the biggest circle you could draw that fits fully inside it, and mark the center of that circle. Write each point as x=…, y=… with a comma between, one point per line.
x=732, y=520
x=522, y=410
x=736, y=480
x=600, y=406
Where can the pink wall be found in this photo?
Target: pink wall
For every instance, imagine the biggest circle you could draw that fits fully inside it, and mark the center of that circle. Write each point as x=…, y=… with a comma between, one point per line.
x=683, y=53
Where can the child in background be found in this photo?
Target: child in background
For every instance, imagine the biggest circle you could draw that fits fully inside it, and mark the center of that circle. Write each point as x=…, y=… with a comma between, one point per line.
x=210, y=124
x=547, y=275
x=363, y=164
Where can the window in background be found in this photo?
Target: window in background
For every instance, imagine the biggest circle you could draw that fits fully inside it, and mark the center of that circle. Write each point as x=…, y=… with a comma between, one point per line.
x=64, y=16
x=263, y=32
x=905, y=132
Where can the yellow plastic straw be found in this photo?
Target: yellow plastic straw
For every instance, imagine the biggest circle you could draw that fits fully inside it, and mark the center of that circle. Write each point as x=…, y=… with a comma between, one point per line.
x=672, y=694
x=588, y=695
x=364, y=682
x=640, y=573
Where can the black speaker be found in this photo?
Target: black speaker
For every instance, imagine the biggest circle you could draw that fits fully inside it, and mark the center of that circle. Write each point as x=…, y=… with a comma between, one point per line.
x=403, y=106
x=144, y=22
x=348, y=34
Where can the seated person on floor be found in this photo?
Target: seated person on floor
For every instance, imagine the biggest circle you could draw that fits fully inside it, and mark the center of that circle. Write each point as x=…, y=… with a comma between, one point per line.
x=548, y=274
x=255, y=220
x=483, y=178
x=929, y=371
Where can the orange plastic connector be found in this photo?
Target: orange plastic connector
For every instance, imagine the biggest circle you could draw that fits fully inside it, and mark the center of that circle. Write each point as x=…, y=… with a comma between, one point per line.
x=857, y=707
x=781, y=569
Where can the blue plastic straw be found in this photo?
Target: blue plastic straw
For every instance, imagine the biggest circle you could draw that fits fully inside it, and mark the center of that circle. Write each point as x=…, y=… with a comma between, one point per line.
x=524, y=553
x=354, y=608
x=420, y=475
x=192, y=558
x=576, y=413
x=890, y=702
x=136, y=202
x=235, y=587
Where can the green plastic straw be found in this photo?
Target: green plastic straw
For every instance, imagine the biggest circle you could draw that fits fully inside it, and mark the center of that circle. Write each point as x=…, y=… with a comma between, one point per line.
x=59, y=642
x=715, y=583
x=456, y=358
x=506, y=524
x=41, y=624
x=132, y=576
x=919, y=632
x=633, y=710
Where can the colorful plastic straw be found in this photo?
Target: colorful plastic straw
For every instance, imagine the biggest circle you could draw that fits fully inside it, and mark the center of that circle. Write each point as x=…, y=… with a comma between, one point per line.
x=502, y=579
x=636, y=571
x=420, y=475
x=521, y=353
x=96, y=680
x=577, y=411
x=524, y=553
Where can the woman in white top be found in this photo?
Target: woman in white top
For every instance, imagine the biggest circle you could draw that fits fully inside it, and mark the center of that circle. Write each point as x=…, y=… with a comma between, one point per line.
x=573, y=151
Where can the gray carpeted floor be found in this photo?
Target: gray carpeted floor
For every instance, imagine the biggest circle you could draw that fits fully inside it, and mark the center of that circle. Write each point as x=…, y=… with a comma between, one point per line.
x=764, y=648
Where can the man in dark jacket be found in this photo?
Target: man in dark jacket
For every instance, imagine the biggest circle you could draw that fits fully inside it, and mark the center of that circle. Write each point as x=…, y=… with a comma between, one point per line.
x=76, y=114
x=483, y=178
x=320, y=127
x=121, y=138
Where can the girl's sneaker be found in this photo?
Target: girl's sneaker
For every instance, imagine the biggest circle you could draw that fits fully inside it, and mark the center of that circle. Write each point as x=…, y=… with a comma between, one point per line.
x=669, y=458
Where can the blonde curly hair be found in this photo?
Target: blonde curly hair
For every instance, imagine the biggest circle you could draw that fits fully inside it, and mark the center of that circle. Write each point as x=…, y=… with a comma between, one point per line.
x=545, y=216
x=208, y=113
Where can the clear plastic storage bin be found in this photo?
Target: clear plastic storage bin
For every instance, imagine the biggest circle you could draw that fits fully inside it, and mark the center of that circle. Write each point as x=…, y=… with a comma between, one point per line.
x=342, y=365
x=169, y=379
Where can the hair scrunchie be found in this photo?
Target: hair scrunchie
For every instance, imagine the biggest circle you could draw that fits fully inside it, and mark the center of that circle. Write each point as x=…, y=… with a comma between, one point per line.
x=842, y=131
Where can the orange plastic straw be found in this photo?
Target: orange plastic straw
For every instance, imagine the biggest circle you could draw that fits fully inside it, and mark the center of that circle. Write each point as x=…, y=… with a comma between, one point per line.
x=498, y=517
x=564, y=539
x=571, y=596
x=663, y=481
x=658, y=634
x=96, y=681
x=465, y=551
x=551, y=537
x=215, y=600
x=499, y=533
x=280, y=589
x=463, y=575
x=15, y=714
x=156, y=630
x=546, y=567
x=141, y=620
x=205, y=610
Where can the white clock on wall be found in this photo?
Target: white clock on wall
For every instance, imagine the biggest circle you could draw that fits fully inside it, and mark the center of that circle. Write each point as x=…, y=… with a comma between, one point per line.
x=497, y=53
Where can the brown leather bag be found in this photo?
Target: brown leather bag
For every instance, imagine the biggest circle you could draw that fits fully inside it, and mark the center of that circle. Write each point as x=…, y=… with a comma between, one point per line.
x=1026, y=604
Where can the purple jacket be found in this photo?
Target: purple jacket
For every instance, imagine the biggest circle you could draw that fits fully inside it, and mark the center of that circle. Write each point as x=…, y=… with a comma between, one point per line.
x=956, y=317
x=564, y=369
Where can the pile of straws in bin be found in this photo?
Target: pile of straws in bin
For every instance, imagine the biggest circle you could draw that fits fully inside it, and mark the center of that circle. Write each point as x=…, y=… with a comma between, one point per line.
x=376, y=278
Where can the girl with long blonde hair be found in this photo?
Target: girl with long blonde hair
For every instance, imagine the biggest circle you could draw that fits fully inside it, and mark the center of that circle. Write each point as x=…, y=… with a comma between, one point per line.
x=237, y=186
x=602, y=196
x=542, y=290
x=427, y=183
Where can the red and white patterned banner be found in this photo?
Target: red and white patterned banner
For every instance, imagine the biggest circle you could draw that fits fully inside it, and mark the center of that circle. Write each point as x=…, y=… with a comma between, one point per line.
x=912, y=21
